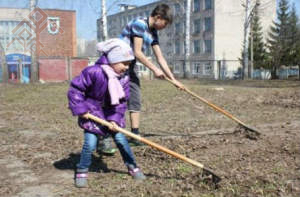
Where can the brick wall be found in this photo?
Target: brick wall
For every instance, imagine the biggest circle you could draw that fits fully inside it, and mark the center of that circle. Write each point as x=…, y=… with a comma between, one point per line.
x=53, y=70
x=77, y=65
x=60, y=69
x=63, y=43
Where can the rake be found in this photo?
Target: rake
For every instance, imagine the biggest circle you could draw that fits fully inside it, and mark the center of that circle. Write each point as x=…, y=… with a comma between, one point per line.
x=215, y=178
x=247, y=127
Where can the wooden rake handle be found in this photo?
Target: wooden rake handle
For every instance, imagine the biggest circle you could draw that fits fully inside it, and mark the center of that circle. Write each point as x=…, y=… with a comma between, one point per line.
x=217, y=108
x=154, y=145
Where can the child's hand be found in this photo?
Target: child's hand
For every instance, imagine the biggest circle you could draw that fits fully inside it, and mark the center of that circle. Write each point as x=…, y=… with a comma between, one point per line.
x=178, y=84
x=159, y=74
x=113, y=126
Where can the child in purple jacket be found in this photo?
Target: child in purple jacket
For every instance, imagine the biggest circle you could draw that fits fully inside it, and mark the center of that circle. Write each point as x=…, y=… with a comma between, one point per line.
x=103, y=90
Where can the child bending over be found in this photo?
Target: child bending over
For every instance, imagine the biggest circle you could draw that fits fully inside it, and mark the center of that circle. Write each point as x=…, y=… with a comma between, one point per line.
x=103, y=90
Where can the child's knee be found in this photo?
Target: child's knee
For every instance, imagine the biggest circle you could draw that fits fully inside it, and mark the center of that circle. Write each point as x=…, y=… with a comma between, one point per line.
x=119, y=138
x=90, y=146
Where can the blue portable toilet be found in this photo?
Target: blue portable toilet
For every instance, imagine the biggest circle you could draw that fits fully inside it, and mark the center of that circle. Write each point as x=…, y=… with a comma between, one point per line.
x=12, y=61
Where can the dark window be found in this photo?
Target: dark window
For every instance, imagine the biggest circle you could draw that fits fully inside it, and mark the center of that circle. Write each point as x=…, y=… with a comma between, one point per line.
x=207, y=24
x=207, y=46
x=196, y=5
x=196, y=46
x=208, y=4
x=197, y=26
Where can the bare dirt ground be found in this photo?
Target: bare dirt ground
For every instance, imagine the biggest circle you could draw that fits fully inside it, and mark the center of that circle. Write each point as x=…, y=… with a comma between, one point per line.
x=41, y=142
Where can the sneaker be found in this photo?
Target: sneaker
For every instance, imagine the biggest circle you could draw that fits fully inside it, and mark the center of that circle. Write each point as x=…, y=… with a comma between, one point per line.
x=136, y=173
x=81, y=178
x=106, y=147
x=134, y=142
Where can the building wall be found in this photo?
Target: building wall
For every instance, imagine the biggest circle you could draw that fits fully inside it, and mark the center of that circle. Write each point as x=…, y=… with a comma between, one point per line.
x=226, y=34
x=77, y=65
x=61, y=44
x=229, y=28
x=13, y=14
x=53, y=70
x=59, y=69
x=9, y=19
x=64, y=42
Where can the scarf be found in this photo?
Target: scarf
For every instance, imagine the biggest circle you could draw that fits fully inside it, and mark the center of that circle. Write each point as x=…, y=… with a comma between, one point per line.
x=115, y=88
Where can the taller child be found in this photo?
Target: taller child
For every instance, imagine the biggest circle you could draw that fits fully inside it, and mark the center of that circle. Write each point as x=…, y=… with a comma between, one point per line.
x=141, y=33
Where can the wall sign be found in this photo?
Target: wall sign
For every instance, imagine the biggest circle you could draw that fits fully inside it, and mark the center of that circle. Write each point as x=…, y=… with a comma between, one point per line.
x=53, y=25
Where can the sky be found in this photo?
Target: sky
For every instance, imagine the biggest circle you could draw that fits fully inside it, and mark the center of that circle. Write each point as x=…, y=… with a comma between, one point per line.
x=88, y=11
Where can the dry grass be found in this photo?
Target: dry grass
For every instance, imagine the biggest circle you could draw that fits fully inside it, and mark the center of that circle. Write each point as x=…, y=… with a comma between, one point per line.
x=37, y=128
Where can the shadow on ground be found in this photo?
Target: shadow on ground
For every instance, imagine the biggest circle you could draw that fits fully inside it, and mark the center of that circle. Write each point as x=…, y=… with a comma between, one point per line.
x=70, y=163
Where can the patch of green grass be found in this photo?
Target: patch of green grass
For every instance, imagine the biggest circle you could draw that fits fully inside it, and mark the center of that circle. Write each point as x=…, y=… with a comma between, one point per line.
x=278, y=169
x=121, y=176
x=234, y=190
x=184, y=169
x=207, y=195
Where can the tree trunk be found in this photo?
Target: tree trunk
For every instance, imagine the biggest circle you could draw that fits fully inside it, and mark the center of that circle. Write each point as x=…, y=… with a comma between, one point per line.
x=187, y=63
x=4, y=65
x=273, y=73
x=104, y=20
x=34, y=66
x=299, y=71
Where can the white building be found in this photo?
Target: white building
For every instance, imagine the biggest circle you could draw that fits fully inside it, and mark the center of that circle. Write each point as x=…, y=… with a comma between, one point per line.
x=10, y=18
x=216, y=34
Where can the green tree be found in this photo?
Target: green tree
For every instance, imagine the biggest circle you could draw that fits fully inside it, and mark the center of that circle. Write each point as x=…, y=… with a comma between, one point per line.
x=278, y=43
x=258, y=46
x=293, y=37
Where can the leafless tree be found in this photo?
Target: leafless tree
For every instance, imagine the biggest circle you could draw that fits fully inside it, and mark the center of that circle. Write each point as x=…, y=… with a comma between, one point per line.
x=3, y=64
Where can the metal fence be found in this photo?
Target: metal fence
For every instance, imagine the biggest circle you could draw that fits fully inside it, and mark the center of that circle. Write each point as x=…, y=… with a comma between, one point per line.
x=213, y=69
x=228, y=69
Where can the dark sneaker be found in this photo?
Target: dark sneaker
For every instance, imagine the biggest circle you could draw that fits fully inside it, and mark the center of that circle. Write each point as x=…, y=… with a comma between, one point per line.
x=136, y=173
x=81, y=178
x=106, y=147
x=134, y=142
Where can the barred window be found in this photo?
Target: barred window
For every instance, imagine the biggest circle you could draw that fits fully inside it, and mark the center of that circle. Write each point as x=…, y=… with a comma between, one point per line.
x=197, y=46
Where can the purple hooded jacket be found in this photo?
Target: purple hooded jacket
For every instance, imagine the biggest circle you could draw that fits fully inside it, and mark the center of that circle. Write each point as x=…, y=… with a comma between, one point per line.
x=88, y=92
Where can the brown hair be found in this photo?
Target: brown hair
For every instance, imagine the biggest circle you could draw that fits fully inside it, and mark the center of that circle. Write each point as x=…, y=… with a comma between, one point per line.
x=164, y=11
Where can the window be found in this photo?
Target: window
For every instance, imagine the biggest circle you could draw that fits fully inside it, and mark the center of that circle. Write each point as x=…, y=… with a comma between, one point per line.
x=177, y=28
x=197, y=27
x=207, y=46
x=177, y=8
x=196, y=46
x=207, y=69
x=208, y=5
x=177, y=47
x=129, y=18
x=207, y=24
x=176, y=68
x=196, y=5
x=197, y=69
x=142, y=68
